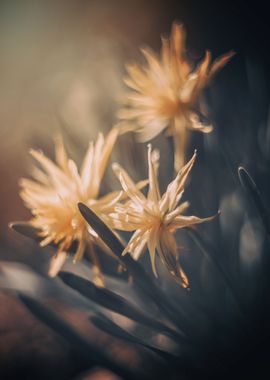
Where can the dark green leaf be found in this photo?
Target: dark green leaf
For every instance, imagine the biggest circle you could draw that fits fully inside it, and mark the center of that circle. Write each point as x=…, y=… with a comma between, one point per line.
x=107, y=235
x=142, y=280
x=25, y=229
x=116, y=303
x=108, y=326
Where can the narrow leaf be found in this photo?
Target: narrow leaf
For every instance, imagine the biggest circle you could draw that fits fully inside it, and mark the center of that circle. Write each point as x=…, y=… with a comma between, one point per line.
x=115, y=302
x=25, y=229
x=108, y=326
x=106, y=234
x=142, y=280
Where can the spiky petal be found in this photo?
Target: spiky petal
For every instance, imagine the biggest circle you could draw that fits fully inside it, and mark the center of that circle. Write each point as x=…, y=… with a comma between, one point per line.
x=53, y=195
x=164, y=94
x=155, y=218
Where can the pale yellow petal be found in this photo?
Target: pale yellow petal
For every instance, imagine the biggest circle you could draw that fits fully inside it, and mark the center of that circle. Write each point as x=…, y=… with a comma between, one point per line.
x=87, y=167
x=57, y=177
x=196, y=125
x=152, y=130
x=57, y=263
x=182, y=221
x=153, y=164
x=151, y=244
x=128, y=185
x=169, y=198
x=80, y=250
x=61, y=154
x=178, y=38
x=107, y=150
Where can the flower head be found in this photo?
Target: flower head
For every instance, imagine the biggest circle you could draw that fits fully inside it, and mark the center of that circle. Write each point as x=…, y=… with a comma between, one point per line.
x=164, y=94
x=155, y=218
x=54, y=193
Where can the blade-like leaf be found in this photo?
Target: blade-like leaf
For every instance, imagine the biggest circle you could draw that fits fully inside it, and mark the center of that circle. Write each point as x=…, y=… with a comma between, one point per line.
x=107, y=325
x=25, y=229
x=141, y=279
x=107, y=235
x=115, y=302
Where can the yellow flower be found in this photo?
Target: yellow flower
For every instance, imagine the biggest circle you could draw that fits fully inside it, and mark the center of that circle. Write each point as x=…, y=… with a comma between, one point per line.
x=164, y=94
x=54, y=193
x=155, y=218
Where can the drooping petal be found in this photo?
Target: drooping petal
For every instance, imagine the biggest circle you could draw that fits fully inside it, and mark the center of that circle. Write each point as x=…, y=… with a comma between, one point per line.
x=167, y=250
x=151, y=244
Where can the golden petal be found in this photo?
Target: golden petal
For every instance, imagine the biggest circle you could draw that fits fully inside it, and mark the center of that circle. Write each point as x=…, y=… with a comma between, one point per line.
x=196, y=125
x=220, y=62
x=128, y=185
x=151, y=244
x=61, y=154
x=152, y=130
x=169, y=198
x=57, y=176
x=87, y=167
x=57, y=263
x=178, y=38
x=107, y=150
x=153, y=163
x=182, y=221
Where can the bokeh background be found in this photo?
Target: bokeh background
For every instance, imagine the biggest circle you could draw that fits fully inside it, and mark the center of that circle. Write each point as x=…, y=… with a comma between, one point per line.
x=61, y=69
x=62, y=64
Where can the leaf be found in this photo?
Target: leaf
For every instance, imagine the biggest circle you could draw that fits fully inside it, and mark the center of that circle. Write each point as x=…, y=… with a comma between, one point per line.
x=106, y=234
x=108, y=326
x=142, y=280
x=115, y=302
x=25, y=229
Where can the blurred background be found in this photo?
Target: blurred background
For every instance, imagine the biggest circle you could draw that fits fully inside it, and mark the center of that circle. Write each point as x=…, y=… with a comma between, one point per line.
x=61, y=69
x=62, y=64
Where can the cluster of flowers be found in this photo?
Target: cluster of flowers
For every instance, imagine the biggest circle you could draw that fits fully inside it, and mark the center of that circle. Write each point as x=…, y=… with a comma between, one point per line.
x=164, y=96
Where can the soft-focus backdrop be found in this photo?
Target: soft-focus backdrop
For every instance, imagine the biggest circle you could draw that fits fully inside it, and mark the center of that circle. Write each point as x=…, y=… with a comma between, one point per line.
x=61, y=69
x=62, y=64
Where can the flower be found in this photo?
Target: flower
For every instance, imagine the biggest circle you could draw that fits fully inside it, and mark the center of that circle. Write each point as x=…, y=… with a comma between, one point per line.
x=54, y=193
x=155, y=218
x=165, y=93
